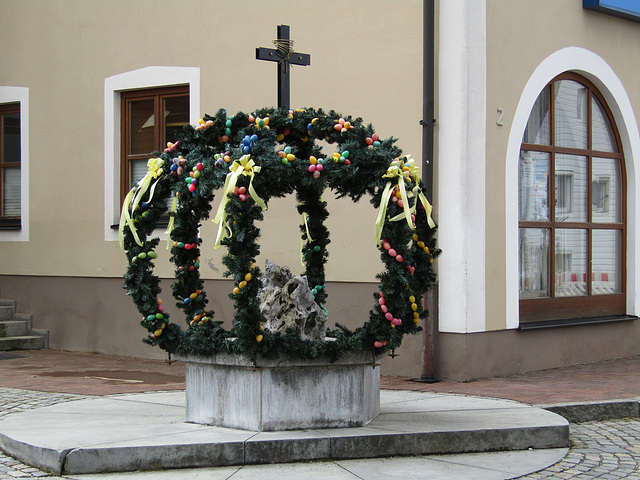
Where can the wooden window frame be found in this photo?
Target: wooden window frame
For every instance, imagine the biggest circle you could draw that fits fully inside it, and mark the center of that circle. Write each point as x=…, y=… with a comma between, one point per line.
x=7, y=222
x=158, y=95
x=553, y=308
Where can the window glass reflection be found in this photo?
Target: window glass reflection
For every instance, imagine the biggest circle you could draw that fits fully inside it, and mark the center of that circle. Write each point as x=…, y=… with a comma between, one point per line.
x=571, y=188
x=570, y=262
x=538, y=129
x=570, y=109
x=533, y=182
x=534, y=262
x=602, y=138
x=605, y=190
x=606, y=262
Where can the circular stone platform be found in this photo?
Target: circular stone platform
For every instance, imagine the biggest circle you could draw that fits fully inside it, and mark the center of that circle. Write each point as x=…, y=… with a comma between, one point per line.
x=147, y=431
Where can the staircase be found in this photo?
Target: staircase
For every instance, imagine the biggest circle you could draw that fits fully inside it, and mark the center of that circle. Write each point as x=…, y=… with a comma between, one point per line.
x=16, y=332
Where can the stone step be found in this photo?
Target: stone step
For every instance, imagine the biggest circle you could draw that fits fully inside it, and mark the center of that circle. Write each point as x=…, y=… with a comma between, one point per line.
x=6, y=312
x=14, y=328
x=24, y=342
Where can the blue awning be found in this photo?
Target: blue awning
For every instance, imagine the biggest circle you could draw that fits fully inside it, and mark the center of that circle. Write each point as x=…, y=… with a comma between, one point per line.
x=628, y=9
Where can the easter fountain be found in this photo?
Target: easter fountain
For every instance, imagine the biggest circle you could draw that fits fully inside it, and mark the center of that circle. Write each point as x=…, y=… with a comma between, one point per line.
x=274, y=369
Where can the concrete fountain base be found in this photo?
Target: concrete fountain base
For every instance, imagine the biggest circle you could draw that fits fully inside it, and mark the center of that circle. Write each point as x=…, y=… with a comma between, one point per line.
x=282, y=394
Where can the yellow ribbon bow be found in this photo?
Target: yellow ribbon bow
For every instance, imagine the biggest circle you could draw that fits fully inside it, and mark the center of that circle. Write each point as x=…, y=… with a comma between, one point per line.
x=413, y=173
x=133, y=198
x=244, y=166
x=401, y=170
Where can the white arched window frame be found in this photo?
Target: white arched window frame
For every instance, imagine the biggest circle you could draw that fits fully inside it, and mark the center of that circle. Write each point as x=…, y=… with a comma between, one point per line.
x=20, y=95
x=596, y=70
x=148, y=77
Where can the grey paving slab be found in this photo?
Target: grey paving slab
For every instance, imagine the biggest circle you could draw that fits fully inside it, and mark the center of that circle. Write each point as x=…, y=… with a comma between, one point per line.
x=407, y=401
x=136, y=432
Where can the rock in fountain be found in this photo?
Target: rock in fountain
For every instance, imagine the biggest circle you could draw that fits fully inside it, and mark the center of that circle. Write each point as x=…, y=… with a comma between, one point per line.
x=287, y=304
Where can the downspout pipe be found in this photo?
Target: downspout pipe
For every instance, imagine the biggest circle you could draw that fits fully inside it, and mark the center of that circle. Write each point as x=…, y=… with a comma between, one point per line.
x=428, y=121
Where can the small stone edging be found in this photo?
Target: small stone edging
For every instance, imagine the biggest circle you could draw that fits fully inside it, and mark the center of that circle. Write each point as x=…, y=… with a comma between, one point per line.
x=597, y=411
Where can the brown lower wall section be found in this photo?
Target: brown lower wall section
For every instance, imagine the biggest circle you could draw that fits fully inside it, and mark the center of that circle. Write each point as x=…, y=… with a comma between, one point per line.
x=95, y=314
x=465, y=357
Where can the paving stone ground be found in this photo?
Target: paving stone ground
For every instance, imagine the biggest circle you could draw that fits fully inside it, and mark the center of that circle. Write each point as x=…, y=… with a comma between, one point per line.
x=600, y=450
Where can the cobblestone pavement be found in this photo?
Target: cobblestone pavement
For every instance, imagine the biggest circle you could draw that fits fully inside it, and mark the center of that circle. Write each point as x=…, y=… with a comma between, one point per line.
x=600, y=450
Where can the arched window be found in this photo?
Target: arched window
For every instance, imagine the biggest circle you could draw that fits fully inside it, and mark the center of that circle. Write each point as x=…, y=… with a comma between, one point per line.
x=572, y=209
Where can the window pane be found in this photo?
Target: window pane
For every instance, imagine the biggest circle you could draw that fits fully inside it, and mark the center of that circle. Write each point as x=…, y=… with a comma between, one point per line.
x=11, y=192
x=534, y=262
x=602, y=138
x=570, y=114
x=571, y=188
x=11, y=137
x=533, y=184
x=606, y=194
x=138, y=171
x=606, y=263
x=141, y=127
x=571, y=262
x=538, y=129
x=176, y=116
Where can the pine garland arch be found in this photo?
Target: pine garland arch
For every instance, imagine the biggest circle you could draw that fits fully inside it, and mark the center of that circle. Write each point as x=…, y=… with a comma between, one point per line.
x=253, y=158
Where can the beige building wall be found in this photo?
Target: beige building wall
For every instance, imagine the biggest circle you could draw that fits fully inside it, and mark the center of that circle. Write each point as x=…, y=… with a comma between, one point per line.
x=366, y=61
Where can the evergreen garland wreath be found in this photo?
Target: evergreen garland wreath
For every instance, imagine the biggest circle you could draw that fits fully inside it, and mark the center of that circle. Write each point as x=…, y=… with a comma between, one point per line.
x=253, y=158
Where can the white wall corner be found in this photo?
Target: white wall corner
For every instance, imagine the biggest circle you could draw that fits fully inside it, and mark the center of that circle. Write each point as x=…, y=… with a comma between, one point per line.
x=462, y=165
x=147, y=77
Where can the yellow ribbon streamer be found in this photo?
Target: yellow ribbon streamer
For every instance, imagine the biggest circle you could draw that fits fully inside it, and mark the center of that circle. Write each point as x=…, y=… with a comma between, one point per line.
x=174, y=205
x=305, y=219
x=133, y=198
x=244, y=166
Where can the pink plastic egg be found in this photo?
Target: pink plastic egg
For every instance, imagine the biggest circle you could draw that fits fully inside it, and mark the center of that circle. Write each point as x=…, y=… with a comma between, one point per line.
x=384, y=308
x=388, y=316
x=319, y=167
x=381, y=300
x=399, y=258
x=312, y=168
x=392, y=252
x=192, y=187
x=316, y=174
x=378, y=344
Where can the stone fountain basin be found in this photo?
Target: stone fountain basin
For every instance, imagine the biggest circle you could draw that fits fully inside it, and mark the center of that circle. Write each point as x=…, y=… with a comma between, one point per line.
x=228, y=390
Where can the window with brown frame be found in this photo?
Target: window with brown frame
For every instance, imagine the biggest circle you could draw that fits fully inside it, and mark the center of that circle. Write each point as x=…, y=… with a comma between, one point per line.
x=150, y=119
x=10, y=153
x=572, y=207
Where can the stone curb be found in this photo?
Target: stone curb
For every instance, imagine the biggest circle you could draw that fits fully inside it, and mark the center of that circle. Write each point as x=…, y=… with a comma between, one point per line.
x=121, y=459
x=579, y=412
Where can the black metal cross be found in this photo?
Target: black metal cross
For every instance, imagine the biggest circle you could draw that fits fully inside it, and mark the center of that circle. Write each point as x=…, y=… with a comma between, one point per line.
x=284, y=55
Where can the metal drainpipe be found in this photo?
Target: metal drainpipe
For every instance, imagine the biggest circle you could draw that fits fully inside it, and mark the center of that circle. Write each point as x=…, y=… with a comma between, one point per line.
x=427, y=122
